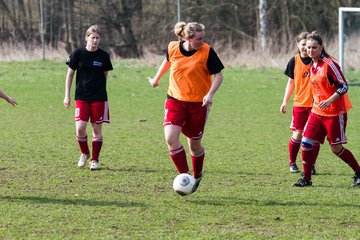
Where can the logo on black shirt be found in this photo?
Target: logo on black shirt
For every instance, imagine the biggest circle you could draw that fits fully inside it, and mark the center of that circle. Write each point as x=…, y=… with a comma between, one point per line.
x=96, y=63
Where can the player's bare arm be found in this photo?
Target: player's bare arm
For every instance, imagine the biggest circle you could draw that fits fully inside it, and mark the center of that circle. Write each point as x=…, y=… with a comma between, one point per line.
x=217, y=80
x=288, y=91
x=68, y=82
x=164, y=67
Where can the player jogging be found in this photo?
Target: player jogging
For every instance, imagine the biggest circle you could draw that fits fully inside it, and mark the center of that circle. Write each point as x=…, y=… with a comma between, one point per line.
x=195, y=76
x=92, y=65
x=329, y=112
x=299, y=79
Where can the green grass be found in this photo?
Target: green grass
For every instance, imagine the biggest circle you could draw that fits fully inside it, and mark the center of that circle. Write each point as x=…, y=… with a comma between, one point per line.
x=245, y=194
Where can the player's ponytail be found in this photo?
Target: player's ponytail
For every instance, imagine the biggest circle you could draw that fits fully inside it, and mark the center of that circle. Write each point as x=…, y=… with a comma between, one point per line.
x=179, y=29
x=187, y=30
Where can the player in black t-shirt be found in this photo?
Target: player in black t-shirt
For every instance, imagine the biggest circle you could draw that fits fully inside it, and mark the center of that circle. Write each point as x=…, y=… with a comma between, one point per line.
x=91, y=65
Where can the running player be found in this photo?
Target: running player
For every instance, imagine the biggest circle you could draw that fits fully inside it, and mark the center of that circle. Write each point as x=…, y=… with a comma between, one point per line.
x=299, y=79
x=329, y=112
x=92, y=65
x=192, y=64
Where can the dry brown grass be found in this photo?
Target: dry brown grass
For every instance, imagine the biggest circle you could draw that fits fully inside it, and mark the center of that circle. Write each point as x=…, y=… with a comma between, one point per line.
x=256, y=59
x=352, y=52
x=250, y=58
x=20, y=52
x=231, y=57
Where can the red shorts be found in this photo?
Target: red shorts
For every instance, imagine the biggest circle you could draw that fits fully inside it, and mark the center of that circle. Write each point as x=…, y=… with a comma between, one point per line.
x=300, y=116
x=97, y=112
x=188, y=115
x=318, y=127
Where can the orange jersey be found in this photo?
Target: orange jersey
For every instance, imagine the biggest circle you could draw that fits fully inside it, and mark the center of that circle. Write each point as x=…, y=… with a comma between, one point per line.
x=303, y=96
x=323, y=88
x=189, y=79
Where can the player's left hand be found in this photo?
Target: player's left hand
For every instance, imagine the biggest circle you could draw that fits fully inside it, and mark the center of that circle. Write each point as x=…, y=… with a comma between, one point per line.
x=324, y=104
x=207, y=101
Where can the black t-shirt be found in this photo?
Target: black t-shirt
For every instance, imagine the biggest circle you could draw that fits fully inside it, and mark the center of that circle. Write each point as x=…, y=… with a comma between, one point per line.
x=214, y=63
x=90, y=77
x=289, y=71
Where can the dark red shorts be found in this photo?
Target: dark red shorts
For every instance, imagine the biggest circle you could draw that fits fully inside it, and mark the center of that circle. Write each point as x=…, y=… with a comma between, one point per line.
x=318, y=127
x=300, y=116
x=188, y=115
x=97, y=112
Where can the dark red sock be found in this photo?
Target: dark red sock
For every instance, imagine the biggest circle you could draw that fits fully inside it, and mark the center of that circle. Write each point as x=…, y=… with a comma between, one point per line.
x=307, y=161
x=96, y=148
x=349, y=158
x=178, y=156
x=316, y=149
x=294, y=146
x=197, y=164
x=83, y=144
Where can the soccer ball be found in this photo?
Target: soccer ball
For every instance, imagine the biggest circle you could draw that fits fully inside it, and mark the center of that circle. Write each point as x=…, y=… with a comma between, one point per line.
x=183, y=184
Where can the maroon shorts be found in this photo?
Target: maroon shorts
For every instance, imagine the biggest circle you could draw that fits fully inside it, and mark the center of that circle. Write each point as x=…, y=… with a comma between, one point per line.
x=318, y=127
x=97, y=112
x=300, y=116
x=188, y=115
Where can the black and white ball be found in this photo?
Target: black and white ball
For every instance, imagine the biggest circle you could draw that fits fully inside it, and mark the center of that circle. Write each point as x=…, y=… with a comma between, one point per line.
x=183, y=184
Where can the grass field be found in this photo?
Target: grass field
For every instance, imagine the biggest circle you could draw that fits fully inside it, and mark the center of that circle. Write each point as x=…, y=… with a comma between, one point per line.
x=246, y=192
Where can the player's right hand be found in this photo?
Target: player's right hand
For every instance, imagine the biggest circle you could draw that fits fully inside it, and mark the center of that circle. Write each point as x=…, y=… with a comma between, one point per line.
x=283, y=108
x=152, y=82
x=67, y=102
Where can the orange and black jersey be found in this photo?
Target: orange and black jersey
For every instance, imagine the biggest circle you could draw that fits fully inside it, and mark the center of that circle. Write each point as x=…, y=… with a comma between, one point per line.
x=289, y=71
x=191, y=72
x=298, y=70
x=214, y=63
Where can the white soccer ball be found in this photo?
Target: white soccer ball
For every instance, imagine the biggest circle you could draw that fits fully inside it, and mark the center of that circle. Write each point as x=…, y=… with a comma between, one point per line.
x=183, y=184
